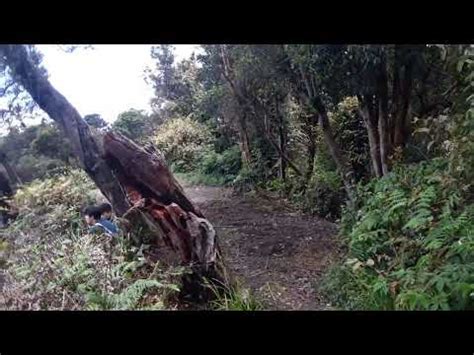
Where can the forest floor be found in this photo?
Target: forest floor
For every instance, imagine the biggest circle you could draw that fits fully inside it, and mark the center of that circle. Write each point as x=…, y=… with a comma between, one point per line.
x=279, y=254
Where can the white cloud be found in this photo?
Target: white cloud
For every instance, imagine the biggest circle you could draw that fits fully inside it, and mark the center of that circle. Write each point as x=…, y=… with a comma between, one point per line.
x=107, y=80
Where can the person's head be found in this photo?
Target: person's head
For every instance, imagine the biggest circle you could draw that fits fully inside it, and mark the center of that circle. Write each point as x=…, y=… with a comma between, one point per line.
x=106, y=210
x=92, y=215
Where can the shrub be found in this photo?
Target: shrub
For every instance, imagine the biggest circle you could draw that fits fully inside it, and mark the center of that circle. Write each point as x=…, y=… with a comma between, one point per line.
x=213, y=169
x=183, y=141
x=52, y=263
x=411, y=244
x=76, y=271
x=54, y=205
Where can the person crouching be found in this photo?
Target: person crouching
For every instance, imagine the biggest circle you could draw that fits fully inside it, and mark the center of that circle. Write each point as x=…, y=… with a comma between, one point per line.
x=98, y=224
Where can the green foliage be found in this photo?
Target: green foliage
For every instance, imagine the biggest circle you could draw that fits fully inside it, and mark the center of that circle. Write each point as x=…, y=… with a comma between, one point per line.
x=195, y=178
x=54, y=204
x=225, y=165
x=183, y=141
x=95, y=120
x=214, y=169
x=324, y=195
x=411, y=243
x=235, y=298
x=36, y=151
x=246, y=180
x=51, y=143
x=52, y=263
x=132, y=123
x=352, y=136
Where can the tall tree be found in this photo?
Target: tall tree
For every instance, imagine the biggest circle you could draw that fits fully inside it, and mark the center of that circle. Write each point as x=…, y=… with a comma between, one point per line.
x=308, y=68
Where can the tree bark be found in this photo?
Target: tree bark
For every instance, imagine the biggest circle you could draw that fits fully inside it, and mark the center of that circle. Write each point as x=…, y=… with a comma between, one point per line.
x=383, y=117
x=311, y=153
x=242, y=102
x=282, y=163
x=267, y=134
x=71, y=123
x=244, y=141
x=11, y=172
x=152, y=189
x=370, y=117
x=128, y=174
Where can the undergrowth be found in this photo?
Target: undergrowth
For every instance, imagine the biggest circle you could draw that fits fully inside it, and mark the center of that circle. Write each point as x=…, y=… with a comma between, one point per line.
x=410, y=245
x=52, y=263
x=234, y=298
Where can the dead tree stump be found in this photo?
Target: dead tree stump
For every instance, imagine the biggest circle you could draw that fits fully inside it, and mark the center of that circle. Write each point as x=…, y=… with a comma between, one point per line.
x=152, y=189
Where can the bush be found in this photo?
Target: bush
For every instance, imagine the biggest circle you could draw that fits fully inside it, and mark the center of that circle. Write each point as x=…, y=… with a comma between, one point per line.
x=76, y=271
x=351, y=135
x=411, y=244
x=323, y=195
x=213, y=169
x=54, y=204
x=52, y=263
x=30, y=167
x=183, y=141
x=323, y=198
x=246, y=180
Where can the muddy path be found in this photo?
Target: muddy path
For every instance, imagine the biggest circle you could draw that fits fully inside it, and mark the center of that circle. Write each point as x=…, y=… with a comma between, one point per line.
x=278, y=253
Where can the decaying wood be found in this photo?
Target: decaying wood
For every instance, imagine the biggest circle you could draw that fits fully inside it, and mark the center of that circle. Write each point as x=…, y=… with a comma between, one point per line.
x=128, y=174
x=152, y=189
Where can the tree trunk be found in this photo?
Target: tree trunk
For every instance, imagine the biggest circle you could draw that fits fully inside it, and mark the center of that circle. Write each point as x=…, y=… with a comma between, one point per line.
x=12, y=174
x=311, y=153
x=244, y=142
x=370, y=117
x=71, y=123
x=267, y=135
x=126, y=172
x=281, y=141
x=383, y=117
x=152, y=189
x=7, y=213
x=282, y=162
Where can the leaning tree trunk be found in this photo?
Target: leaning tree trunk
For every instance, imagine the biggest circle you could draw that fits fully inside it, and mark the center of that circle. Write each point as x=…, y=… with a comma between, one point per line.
x=71, y=123
x=129, y=174
x=153, y=190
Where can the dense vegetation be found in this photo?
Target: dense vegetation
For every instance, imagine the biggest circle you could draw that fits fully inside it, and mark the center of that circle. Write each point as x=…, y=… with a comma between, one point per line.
x=378, y=138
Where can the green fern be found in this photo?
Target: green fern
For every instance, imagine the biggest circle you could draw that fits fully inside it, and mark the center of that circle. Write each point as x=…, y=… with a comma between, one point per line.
x=413, y=239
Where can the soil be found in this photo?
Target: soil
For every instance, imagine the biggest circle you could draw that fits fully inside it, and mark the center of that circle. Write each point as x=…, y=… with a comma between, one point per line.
x=279, y=254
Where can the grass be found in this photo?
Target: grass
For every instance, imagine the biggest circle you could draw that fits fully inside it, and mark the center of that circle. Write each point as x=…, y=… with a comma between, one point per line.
x=234, y=298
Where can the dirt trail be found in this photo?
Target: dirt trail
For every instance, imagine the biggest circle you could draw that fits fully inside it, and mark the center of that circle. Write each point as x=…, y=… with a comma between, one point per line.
x=278, y=253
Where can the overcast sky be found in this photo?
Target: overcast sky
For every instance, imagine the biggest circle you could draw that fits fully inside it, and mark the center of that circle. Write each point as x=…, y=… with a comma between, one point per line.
x=107, y=80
